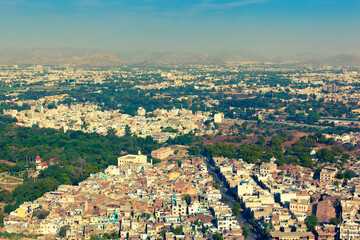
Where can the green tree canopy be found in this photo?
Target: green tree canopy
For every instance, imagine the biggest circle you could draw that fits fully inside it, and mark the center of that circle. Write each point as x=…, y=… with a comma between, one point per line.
x=311, y=222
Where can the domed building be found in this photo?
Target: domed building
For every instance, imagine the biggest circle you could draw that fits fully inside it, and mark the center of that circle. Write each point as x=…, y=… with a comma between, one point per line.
x=40, y=165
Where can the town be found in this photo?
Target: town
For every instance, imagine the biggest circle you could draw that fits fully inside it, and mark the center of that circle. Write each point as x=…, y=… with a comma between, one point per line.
x=236, y=151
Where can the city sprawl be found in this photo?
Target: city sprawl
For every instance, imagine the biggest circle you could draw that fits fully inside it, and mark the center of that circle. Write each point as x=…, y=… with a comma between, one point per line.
x=227, y=151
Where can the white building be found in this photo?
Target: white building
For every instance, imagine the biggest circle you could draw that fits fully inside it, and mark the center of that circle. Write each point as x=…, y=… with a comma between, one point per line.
x=217, y=118
x=194, y=207
x=245, y=189
x=141, y=111
x=132, y=159
x=226, y=223
x=350, y=230
x=179, y=208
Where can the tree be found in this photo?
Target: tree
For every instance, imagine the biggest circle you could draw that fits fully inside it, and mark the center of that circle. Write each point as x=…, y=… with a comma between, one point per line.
x=197, y=222
x=41, y=214
x=94, y=237
x=106, y=236
x=111, y=132
x=299, y=117
x=337, y=203
x=349, y=174
x=163, y=233
x=127, y=131
x=187, y=199
x=63, y=230
x=325, y=155
x=55, y=172
x=313, y=117
x=217, y=236
x=236, y=208
x=1, y=219
x=266, y=227
x=178, y=230
x=224, y=199
x=26, y=175
x=194, y=150
x=261, y=142
x=245, y=231
x=345, y=157
x=5, y=196
x=170, y=130
x=335, y=221
x=330, y=141
x=311, y=222
x=9, y=208
x=51, y=105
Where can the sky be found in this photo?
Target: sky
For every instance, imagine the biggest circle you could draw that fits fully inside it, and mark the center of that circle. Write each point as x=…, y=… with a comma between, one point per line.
x=266, y=27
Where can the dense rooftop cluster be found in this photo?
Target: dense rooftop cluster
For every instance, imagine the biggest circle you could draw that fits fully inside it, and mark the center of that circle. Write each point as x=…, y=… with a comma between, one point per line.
x=142, y=201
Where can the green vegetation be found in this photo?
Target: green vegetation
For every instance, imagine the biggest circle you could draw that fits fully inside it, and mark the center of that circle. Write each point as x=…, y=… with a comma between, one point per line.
x=30, y=191
x=236, y=208
x=170, y=130
x=347, y=174
x=15, y=236
x=217, y=236
x=186, y=139
x=245, y=231
x=6, y=196
x=194, y=150
x=311, y=222
x=187, y=199
x=326, y=155
x=13, y=106
x=224, y=199
x=251, y=152
x=2, y=219
x=177, y=230
x=63, y=230
x=107, y=236
x=77, y=155
x=41, y=214
x=298, y=153
x=335, y=221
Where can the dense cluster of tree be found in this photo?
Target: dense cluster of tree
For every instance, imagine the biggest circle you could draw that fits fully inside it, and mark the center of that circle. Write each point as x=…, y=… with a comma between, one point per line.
x=7, y=106
x=298, y=153
x=186, y=139
x=76, y=155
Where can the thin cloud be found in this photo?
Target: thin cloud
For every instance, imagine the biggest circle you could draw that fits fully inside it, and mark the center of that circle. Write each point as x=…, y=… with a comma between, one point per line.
x=150, y=7
x=225, y=6
x=9, y=2
x=195, y=9
x=88, y=3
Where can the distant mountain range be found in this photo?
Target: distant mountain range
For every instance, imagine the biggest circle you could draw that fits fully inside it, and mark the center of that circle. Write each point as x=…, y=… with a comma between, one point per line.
x=96, y=57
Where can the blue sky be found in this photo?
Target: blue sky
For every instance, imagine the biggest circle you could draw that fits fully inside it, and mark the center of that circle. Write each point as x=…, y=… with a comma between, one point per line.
x=266, y=27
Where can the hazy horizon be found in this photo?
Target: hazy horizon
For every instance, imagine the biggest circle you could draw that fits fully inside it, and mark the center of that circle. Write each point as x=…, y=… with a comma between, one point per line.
x=269, y=28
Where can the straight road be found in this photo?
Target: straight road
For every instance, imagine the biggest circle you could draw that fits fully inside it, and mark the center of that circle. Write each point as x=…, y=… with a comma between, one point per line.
x=227, y=193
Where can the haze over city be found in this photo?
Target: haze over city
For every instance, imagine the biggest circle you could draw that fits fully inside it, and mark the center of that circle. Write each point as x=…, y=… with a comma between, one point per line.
x=269, y=28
